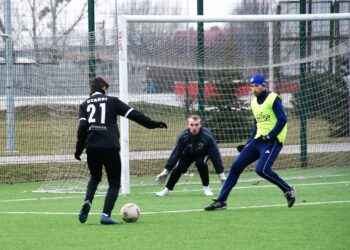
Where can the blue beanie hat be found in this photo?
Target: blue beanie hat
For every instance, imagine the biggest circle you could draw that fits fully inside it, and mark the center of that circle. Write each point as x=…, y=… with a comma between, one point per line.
x=258, y=79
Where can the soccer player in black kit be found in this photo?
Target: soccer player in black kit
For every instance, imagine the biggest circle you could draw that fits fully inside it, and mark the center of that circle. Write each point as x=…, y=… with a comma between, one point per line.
x=99, y=134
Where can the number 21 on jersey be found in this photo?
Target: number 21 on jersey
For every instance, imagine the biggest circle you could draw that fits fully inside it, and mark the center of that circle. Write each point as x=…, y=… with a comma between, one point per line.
x=91, y=108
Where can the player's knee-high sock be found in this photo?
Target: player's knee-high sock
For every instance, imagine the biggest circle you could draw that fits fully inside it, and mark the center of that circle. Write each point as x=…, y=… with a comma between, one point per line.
x=91, y=188
x=111, y=198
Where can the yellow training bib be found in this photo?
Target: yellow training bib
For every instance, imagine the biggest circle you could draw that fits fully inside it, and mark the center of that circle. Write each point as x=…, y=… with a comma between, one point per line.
x=266, y=118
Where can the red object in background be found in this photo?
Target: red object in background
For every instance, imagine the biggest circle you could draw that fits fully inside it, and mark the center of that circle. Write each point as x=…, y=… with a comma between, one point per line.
x=180, y=89
x=210, y=89
x=285, y=87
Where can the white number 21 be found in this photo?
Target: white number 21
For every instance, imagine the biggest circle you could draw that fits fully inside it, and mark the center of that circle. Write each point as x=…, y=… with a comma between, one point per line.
x=91, y=108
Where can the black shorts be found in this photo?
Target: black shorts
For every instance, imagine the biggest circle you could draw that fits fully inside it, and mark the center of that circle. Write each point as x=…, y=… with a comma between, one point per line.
x=109, y=158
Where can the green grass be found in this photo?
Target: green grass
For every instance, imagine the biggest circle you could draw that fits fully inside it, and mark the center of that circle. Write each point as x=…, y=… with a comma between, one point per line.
x=47, y=130
x=257, y=217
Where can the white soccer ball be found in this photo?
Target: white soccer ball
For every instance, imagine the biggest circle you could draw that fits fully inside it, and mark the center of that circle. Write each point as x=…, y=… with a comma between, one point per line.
x=130, y=212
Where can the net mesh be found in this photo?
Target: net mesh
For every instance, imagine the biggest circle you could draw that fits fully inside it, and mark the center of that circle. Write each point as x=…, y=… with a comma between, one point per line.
x=166, y=73
x=166, y=70
x=232, y=53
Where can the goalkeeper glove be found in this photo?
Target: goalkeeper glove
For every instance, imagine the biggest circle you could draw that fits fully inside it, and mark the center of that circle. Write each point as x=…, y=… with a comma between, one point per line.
x=222, y=178
x=162, y=177
x=263, y=139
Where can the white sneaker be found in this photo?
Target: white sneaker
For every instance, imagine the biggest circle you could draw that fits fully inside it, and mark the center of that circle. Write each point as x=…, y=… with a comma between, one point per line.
x=164, y=192
x=207, y=191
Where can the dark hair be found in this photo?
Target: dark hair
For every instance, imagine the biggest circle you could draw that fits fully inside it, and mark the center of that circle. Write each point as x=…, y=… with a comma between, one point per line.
x=97, y=84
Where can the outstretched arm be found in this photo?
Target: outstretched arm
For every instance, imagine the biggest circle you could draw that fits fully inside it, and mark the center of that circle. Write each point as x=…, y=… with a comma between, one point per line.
x=136, y=116
x=173, y=159
x=145, y=121
x=215, y=156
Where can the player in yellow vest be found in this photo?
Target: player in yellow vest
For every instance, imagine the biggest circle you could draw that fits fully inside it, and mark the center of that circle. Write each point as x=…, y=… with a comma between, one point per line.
x=265, y=144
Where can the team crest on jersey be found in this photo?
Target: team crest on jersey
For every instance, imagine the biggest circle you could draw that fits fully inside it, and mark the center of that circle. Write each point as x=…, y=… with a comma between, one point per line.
x=263, y=117
x=201, y=145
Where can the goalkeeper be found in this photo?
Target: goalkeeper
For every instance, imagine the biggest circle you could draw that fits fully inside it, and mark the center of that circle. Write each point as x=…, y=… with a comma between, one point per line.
x=265, y=143
x=195, y=144
x=98, y=133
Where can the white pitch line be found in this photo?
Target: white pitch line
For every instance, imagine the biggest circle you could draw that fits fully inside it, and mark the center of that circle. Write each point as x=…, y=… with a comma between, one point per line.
x=164, y=154
x=260, y=186
x=259, y=179
x=184, y=211
x=250, y=207
x=178, y=191
x=44, y=199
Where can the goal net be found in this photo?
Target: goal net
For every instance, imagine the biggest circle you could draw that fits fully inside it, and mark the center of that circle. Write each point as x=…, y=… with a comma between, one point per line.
x=169, y=68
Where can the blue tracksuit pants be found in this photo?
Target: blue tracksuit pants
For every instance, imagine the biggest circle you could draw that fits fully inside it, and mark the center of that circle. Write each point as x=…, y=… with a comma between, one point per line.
x=267, y=153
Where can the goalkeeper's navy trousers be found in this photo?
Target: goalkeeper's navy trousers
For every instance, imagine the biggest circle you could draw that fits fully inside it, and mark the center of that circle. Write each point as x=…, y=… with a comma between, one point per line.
x=267, y=153
x=184, y=164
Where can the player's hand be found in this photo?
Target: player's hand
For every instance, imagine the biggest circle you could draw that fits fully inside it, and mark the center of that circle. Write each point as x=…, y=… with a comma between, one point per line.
x=222, y=178
x=240, y=147
x=263, y=139
x=160, y=179
x=77, y=156
x=162, y=125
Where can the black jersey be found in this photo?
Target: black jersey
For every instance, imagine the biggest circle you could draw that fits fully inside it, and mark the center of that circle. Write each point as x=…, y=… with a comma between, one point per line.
x=100, y=112
x=98, y=121
x=198, y=145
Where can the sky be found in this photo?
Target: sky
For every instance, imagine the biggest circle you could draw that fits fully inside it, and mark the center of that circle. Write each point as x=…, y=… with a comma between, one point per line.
x=188, y=7
x=211, y=7
x=104, y=14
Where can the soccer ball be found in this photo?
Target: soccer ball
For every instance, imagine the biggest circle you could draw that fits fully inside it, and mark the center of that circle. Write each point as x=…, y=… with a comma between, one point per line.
x=130, y=212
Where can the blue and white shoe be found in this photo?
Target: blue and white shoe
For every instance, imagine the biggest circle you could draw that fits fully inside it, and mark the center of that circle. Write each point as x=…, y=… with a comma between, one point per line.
x=84, y=212
x=106, y=220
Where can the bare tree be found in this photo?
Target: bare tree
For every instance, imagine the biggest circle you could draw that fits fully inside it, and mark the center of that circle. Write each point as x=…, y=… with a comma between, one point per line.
x=34, y=29
x=252, y=7
x=2, y=27
x=250, y=40
x=153, y=39
x=46, y=14
x=54, y=10
x=144, y=35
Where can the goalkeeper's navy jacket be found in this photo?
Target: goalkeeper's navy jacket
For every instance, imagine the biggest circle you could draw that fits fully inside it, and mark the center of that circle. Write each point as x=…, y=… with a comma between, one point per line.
x=195, y=146
x=98, y=121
